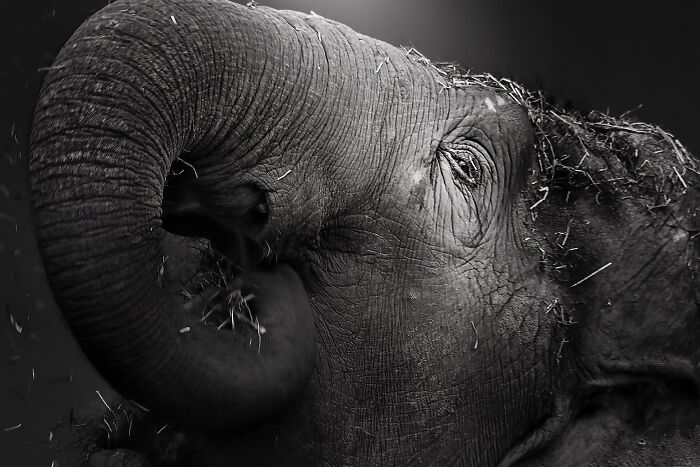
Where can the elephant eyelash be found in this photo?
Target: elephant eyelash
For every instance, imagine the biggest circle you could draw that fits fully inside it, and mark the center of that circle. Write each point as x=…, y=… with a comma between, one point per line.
x=464, y=163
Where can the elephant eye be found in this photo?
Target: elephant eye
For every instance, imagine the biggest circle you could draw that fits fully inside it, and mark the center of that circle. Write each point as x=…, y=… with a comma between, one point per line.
x=464, y=160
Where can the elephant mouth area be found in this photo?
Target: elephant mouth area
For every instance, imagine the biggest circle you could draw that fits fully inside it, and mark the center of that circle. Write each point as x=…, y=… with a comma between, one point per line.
x=211, y=285
x=253, y=321
x=248, y=320
x=218, y=296
x=205, y=262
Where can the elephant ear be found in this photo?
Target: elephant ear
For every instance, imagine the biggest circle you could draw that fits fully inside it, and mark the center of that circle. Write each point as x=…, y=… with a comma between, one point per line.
x=619, y=224
x=628, y=423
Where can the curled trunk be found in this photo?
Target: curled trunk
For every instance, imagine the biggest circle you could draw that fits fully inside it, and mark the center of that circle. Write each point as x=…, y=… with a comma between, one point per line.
x=138, y=86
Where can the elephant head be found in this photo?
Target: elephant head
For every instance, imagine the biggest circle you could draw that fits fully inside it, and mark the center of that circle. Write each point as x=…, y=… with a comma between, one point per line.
x=419, y=265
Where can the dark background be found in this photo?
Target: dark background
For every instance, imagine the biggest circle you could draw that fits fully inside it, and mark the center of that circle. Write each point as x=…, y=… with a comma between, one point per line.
x=595, y=54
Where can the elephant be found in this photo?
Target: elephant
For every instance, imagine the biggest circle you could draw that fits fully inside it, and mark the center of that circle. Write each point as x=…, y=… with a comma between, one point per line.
x=286, y=243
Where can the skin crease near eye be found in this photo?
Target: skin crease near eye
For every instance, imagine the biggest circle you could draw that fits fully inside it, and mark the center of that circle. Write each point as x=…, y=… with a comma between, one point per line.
x=365, y=233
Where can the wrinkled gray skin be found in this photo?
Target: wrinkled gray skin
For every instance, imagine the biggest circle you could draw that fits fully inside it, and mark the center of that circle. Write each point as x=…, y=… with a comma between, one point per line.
x=408, y=304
